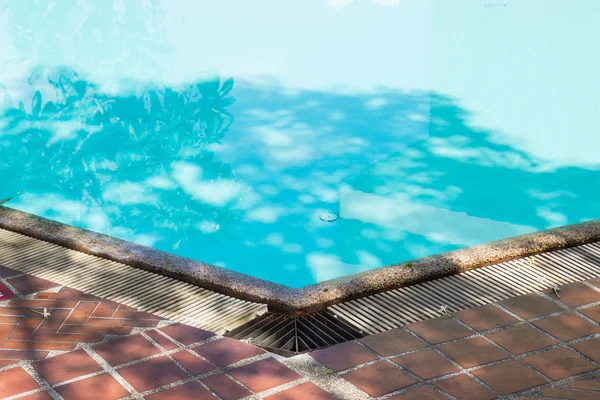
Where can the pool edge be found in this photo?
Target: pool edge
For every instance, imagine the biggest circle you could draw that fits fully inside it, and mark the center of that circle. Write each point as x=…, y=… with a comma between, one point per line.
x=284, y=299
x=208, y=276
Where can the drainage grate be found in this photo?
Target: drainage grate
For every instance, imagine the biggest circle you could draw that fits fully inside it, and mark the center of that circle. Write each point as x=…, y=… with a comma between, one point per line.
x=396, y=308
x=147, y=291
x=291, y=335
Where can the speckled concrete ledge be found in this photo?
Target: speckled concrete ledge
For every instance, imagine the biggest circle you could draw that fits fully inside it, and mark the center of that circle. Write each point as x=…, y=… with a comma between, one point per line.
x=282, y=298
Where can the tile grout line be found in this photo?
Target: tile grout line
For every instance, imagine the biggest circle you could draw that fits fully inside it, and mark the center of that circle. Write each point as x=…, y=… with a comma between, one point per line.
x=110, y=370
x=39, y=379
x=182, y=347
x=87, y=348
x=309, y=367
x=559, y=344
x=222, y=370
x=520, y=321
x=434, y=348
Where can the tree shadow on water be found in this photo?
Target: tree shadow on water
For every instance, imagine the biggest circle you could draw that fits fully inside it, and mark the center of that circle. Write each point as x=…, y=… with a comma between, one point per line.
x=169, y=167
x=413, y=176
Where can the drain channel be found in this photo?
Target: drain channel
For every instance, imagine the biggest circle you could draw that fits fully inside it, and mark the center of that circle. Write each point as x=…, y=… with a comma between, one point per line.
x=287, y=336
x=395, y=308
x=147, y=291
x=399, y=307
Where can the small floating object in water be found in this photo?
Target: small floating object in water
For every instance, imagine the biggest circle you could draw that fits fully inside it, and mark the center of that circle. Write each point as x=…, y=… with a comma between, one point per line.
x=328, y=216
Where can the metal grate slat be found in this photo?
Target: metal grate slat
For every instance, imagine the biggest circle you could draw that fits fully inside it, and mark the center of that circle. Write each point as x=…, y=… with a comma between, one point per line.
x=144, y=290
x=475, y=287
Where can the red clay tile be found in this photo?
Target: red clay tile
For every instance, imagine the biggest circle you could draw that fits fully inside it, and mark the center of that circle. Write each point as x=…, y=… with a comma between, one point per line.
x=131, y=348
x=420, y=393
x=78, y=294
x=96, y=330
x=586, y=385
x=595, y=282
x=10, y=319
x=26, y=328
x=187, y=334
x=81, y=313
x=15, y=381
x=68, y=294
x=102, y=386
x=192, y=390
x=111, y=322
x=566, y=326
x=343, y=356
x=264, y=374
x=38, y=396
x=28, y=284
x=465, y=388
x=439, y=330
x=105, y=309
x=33, y=345
x=152, y=374
x=473, y=352
x=52, y=324
x=530, y=306
x=558, y=393
x=123, y=307
x=41, y=304
x=559, y=363
x=6, y=363
x=7, y=272
x=226, y=388
x=67, y=366
x=509, y=377
x=5, y=331
x=22, y=355
x=162, y=340
x=575, y=294
x=5, y=292
x=534, y=398
x=521, y=339
x=17, y=311
x=426, y=364
x=379, y=379
x=226, y=351
x=192, y=363
x=304, y=391
x=393, y=342
x=485, y=317
x=74, y=337
x=592, y=313
x=590, y=348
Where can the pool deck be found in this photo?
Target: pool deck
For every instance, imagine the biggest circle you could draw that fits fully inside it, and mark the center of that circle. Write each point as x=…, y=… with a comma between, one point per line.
x=522, y=347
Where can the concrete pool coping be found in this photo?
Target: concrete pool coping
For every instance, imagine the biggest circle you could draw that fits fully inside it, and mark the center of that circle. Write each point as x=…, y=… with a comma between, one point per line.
x=284, y=299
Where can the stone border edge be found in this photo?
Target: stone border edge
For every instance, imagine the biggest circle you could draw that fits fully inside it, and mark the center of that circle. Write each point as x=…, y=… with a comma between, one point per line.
x=311, y=298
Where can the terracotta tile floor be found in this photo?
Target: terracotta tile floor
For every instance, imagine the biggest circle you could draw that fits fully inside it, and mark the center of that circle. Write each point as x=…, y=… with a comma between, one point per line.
x=528, y=345
x=91, y=348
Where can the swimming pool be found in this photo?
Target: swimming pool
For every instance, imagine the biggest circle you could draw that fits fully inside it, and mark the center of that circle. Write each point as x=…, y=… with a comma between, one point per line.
x=237, y=138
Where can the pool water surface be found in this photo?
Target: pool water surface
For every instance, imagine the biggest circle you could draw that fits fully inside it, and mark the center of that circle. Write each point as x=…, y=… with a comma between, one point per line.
x=302, y=141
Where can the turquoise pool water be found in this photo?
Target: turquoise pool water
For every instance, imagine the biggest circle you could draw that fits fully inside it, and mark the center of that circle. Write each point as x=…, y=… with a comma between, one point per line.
x=227, y=131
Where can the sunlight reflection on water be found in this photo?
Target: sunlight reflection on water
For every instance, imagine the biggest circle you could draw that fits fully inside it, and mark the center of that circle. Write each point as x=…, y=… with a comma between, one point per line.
x=390, y=131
